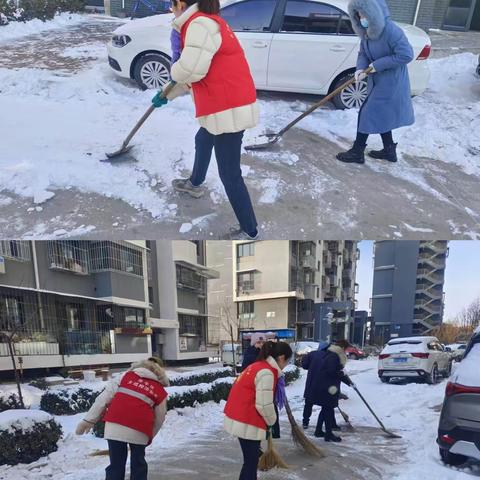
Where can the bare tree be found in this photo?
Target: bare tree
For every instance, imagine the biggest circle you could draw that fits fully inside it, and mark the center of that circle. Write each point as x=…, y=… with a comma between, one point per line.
x=469, y=317
x=230, y=324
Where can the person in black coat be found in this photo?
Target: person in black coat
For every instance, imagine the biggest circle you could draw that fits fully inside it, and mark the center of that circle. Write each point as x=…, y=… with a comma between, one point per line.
x=325, y=373
x=251, y=353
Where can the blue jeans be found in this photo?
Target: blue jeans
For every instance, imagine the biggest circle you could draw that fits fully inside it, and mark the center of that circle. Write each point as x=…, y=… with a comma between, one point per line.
x=228, y=147
x=251, y=455
x=118, y=458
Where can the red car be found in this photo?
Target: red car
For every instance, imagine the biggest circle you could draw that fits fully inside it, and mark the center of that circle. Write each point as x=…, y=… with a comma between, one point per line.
x=355, y=353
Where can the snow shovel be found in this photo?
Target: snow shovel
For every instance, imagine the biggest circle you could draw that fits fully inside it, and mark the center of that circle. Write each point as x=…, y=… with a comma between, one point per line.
x=382, y=426
x=273, y=138
x=125, y=145
x=346, y=418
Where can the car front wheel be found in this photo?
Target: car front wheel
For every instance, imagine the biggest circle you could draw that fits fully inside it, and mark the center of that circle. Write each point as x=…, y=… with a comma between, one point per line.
x=351, y=97
x=152, y=71
x=451, y=458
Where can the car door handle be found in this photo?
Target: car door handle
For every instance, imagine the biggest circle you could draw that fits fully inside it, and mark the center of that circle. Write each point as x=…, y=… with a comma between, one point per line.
x=337, y=48
x=259, y=44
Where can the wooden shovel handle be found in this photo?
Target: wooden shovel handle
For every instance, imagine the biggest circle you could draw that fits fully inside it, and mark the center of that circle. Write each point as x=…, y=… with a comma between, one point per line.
x=321, y=102
x=149, y=111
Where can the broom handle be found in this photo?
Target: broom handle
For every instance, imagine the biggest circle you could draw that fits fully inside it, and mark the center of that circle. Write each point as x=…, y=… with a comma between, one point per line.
x=369, y=407
x=320, y=103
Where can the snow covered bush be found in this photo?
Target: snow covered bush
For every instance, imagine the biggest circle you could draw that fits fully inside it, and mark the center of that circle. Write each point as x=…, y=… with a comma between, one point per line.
x=27, y=435
x=68, y=402
x=292, y=373
x=7, y=10
x=9, y=403
x=204, y=377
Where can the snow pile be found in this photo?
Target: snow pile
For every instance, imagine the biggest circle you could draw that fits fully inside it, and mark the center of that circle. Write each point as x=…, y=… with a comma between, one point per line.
x=22, y=419
x=468, y=372
x=21, y=29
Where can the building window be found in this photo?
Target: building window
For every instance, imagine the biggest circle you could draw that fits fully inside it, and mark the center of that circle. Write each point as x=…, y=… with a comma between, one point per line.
x=107, y=255
x=189, y=279
x=318, y=292
x=246, y=281
x=12, y=313
x=15, y=250
x=74, y=316
x=134, y=317
x=71, y=256
x=246, y=307
x=246, y=250
x=150, y=295
x=193, y=333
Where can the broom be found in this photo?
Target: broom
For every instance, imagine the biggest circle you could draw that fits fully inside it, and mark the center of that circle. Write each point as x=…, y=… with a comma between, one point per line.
x=299, y=438
x=270, y=458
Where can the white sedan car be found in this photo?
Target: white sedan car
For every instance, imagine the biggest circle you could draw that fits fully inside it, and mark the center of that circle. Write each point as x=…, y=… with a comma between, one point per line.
x=302, y=46
x=414, y=357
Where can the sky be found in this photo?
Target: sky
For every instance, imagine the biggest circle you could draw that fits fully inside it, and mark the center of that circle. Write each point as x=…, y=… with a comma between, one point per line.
x=462, y=276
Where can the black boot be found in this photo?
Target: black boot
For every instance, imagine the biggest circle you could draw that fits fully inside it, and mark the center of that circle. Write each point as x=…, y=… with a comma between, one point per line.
x=388, y=153
x=354, y=155
x=319, y=433
x=305, y=425
x=330, y=437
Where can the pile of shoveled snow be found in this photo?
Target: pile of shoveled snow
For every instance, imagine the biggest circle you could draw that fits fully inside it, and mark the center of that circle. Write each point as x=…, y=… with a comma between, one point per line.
x=21, y=29
x=468, y=373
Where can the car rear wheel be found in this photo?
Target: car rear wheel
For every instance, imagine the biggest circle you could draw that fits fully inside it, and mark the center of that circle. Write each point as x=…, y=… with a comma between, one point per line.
x=384, y=379
x=448, y=370
x=451, y=458
x=351, y=97
x=432, y=377
x=152, y=71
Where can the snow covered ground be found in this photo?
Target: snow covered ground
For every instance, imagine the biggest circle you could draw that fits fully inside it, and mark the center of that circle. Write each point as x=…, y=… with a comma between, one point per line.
x=64, y=108
x=410, y=409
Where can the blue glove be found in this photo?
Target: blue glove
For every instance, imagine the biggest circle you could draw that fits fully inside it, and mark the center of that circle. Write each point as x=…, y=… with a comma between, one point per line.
x=158, y=100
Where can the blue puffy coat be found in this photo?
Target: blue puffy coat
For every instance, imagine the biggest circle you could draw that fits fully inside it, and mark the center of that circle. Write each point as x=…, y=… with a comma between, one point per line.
x=250, y=356
x=325, y=372
x=383, y=44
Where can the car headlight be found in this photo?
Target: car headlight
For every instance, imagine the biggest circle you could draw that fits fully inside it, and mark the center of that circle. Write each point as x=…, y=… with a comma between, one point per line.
x=121, y=40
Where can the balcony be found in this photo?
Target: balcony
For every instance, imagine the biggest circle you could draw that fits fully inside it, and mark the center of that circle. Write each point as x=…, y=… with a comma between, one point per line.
x=305, y=317
x=325, y=283
x=308, y=261
x=309, y=291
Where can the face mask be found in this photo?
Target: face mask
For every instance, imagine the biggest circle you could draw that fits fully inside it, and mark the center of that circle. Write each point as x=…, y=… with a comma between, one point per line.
x=364, y=22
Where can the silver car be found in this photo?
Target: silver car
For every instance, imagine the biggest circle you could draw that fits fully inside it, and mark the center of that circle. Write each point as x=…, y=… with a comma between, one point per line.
x=459, y=427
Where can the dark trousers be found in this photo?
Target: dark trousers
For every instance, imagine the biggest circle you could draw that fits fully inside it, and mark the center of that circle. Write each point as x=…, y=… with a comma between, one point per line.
x=307, y=412
x=118, y=458
x=276, y=425
x=387, y=139
x=228, y=147
x=327, y=415
x=251, y=455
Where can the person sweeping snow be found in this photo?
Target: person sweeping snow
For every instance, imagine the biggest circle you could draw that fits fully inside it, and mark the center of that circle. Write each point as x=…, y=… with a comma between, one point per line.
x=212, y=62
x=388, y=105
x=133, y=407
x=325, y=373
x=249, y=411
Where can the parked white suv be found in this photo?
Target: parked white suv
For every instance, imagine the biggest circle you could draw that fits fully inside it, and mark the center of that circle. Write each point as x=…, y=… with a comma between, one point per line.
x=414, y=357
x=302, y=46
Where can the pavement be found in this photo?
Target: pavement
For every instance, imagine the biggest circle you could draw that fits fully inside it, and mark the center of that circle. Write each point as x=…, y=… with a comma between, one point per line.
x=363, y=454
x=378, y=200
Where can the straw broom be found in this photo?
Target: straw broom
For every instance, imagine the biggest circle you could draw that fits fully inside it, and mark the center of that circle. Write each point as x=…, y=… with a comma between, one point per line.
x=270, y=458
x=299, y=437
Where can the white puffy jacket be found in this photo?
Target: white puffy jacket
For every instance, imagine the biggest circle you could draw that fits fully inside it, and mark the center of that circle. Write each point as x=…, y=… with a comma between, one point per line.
x=114, y=431
x=202, y=41
x=264, y=394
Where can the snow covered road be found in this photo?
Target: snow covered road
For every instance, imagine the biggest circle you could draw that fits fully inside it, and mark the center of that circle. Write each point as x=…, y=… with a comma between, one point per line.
x=192, y=443
x=62, y=108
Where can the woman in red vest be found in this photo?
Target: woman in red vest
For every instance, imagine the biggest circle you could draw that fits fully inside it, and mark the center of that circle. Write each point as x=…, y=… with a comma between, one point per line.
x=213, y=67
x=250, y=411
x=133, y=407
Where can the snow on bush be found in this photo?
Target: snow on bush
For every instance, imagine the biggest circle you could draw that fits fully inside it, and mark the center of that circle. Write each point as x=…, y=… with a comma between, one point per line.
x=27, y=435
x=9, y=402
x=68, y=402
x=195, y=377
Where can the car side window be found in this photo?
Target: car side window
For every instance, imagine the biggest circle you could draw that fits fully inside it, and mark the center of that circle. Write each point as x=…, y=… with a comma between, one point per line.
x=431, y=346
x=346, y=26
x=310, y=17
x=249, y=16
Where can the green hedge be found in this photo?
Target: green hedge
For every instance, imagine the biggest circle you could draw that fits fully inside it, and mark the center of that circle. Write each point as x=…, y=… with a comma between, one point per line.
x=292, y=375
x=28, y=445
x=12, y=402
x=68, y=402
x=39, y=9
x=208, y=377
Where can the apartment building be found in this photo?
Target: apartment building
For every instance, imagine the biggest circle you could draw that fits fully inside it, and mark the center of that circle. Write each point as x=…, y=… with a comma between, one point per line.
x=72, y=303
x=294, y=284
x=178, y=300
x=407, y=297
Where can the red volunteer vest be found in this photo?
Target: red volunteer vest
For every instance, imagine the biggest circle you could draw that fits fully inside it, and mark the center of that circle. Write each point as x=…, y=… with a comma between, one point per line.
x=228, y=83
x=133, y=404
x=241, y=400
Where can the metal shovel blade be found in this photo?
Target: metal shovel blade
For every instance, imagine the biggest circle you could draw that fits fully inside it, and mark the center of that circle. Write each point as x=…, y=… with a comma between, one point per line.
x=273, y=138
x=120, y=151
